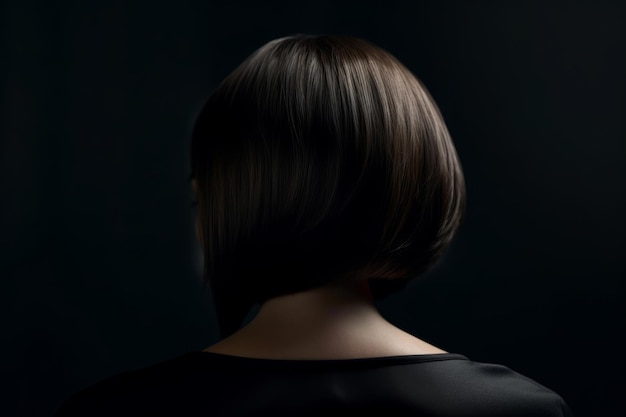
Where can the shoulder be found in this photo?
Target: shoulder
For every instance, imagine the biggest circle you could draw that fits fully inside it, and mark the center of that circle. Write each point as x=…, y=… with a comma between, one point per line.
x=497, y=388
x=120, y=393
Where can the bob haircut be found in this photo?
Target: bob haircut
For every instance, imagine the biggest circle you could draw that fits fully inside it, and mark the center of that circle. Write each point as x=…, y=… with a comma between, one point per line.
x=320, y=158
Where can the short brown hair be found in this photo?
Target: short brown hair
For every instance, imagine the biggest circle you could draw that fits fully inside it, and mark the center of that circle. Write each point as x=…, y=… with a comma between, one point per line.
x=317, y=157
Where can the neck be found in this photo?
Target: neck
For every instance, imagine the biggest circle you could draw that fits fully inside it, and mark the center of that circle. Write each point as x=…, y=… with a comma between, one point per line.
x=333, y=321
x=326, y=306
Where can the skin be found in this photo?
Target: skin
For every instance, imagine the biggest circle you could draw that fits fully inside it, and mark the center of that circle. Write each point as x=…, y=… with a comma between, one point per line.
x=336, y=321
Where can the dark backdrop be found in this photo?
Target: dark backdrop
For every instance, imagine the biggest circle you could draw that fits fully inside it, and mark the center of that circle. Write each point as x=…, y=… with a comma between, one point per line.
x=98, y=262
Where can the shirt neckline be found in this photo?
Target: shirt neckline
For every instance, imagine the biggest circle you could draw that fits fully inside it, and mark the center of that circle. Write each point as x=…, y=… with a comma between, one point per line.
x=392, y=359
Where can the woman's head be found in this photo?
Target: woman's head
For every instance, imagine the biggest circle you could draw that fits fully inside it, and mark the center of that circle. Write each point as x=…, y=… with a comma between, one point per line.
x=319, y=158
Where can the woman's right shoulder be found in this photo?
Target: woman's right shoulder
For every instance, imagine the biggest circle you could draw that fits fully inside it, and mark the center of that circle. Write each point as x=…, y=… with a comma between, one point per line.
x=499, y=387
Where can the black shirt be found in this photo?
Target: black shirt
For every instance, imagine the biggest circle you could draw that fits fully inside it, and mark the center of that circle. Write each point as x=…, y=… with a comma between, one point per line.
x=211, y=384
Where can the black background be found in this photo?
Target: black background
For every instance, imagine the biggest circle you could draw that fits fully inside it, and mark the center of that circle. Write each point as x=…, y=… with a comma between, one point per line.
x=99, y=266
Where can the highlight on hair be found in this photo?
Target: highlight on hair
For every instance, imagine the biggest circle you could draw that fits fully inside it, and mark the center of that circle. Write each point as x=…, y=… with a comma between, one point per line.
x=320, y=157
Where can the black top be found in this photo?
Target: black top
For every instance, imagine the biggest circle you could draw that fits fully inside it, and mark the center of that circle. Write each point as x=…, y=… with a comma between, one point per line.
x=210, y=384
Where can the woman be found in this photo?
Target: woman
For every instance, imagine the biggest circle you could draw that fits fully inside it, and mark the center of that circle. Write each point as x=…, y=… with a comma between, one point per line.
x=325, y=178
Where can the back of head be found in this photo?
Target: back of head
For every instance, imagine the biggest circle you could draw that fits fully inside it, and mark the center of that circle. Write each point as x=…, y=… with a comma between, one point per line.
x=319, y=158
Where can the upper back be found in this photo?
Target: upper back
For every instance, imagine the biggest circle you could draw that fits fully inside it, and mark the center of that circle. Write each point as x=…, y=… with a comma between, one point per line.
x=203, y=383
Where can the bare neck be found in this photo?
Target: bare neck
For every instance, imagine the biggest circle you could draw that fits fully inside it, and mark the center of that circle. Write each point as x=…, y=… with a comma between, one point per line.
x=331, y=322
x=326, y=307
